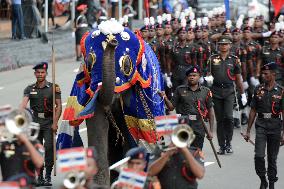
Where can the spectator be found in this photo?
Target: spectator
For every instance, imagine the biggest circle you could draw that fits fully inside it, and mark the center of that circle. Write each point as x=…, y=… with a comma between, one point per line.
x=17, y=19
x=81, y=26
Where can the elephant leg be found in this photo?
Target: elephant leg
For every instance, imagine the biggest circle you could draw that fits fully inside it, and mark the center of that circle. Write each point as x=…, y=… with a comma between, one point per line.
x=97, y=128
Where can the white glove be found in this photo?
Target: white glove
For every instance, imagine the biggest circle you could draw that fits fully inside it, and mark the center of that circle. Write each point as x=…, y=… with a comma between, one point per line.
x=245, y=85
x=73, y=34
x=201, y=80
x=254, y=81
x=244, y=99
x=266, y=34
x=209, y=79
x=168, y=81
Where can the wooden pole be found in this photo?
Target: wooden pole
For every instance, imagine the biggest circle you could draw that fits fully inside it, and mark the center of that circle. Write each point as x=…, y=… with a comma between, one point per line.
x=53, y=103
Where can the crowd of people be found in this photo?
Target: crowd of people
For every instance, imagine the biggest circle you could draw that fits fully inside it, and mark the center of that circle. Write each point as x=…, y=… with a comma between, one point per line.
x=212, y=68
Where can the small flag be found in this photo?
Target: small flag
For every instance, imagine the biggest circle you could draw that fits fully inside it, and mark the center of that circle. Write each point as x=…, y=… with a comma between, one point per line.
x=165, y=124
x=9, y=185
x=72, y=159
x=131, y=178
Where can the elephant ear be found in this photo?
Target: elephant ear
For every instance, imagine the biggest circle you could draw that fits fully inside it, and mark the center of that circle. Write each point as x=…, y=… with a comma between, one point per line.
x=82, y=43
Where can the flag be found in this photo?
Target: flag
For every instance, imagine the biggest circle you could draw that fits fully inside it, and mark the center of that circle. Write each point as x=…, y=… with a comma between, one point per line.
x=165, y=124
x=9, y=185
x=277, y=4
x=72, y=159
x=227, y=9
x=129, y=177
x=65, y=136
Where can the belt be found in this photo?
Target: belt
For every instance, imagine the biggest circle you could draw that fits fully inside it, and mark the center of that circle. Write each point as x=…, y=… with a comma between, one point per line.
x=223, y=85
x=42, y=115
x=190, y=117
x=267, y=115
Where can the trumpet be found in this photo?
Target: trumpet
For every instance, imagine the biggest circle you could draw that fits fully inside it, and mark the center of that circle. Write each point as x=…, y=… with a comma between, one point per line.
x=16, y=122
x=74, y=179
x=181, y=137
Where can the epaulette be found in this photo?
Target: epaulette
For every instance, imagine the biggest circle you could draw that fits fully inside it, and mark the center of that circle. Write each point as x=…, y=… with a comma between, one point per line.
x=182, y=86
x=234, y=56
x=205, y=88
x=213, y=55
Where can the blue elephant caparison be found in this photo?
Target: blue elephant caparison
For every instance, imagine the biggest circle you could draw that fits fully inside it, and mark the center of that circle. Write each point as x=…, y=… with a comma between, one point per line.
x=133, y=67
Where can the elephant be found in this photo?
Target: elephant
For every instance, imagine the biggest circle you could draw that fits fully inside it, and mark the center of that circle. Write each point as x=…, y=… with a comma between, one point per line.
x=117, y=84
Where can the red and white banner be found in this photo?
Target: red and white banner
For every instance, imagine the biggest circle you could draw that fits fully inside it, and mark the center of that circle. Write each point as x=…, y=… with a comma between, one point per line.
x=165, y=124
x=72, y=159
x=131, y=178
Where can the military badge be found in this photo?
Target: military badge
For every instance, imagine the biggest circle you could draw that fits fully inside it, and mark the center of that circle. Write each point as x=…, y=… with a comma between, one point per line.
x=216, y=61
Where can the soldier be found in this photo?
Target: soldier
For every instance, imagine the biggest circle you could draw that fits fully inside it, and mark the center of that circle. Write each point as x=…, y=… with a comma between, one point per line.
x=225, y=69
x=190, y=100
x=138, y=163
x=158, y=45
x=259, y=27
x=268, y=105
x=181, y=57
x=145, y=29
x=19, y=158
x=40, y=96
x=273, y=53
x=177, y=168
x=152, y=30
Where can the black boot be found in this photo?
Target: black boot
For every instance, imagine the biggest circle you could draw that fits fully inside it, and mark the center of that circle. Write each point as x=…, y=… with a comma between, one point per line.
x=263, y=184
x=229, y=149
x=47, y=181
x=271, y=185
x=40, y=180
x=237, y=123
x=221, y=150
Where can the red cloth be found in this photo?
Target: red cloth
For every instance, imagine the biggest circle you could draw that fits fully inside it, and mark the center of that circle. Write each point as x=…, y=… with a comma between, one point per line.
x=277, y=4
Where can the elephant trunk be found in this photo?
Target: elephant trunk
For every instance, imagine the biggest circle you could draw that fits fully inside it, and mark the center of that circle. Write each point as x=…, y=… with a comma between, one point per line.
x=108, y=74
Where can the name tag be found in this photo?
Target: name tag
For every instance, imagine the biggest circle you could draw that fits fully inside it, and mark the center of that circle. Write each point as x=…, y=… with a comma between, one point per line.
x=33, y=92
x=192, y=117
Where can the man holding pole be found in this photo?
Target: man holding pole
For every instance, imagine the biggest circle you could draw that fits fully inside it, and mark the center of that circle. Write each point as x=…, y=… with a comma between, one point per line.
x=40, y=95
x=190, y=100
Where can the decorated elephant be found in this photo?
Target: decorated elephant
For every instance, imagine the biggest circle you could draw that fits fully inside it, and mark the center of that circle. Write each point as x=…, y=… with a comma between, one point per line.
x=120, y=73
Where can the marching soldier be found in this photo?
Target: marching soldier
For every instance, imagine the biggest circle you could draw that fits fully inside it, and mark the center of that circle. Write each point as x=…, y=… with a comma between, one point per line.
x=152, y=30
x=273, y=53
x=181, y=57
x=145, y=30
x=268, y=105
x=191, y=100
x=226, y=70
x=41, y=103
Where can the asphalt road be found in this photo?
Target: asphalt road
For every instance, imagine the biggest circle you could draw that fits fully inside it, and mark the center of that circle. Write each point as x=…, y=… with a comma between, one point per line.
x=237, y=170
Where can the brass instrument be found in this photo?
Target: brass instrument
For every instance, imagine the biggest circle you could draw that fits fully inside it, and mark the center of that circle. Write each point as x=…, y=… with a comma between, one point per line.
x=182, y=136
x=74, y=179
x=16, y=122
